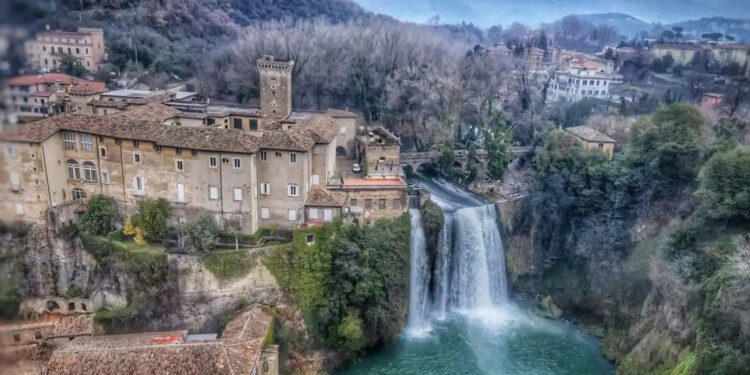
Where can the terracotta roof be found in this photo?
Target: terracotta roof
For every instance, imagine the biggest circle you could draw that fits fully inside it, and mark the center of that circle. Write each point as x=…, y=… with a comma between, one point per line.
x=74, y=325
x=43, y=94
x=159, y=353
x=229, y=140
x=86, y=90
x=151, y=111
x=293, y=140
x=109, y=104
x=588, y=134
x=322, y=128
x=51, y=78
x=319, y=196
x=337, y=113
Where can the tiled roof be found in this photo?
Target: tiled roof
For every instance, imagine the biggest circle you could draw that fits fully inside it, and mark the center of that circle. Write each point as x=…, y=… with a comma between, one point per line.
x=74, y=325
x=51, y=78
x=43, y=94
x=319, y=196
x=293, y=140
x=373, y=182
x=212, y=139
x=109, y=104
x=322, y=128
x=588, y=134
x=86, y=90
x=151, y=111
x=157, y=353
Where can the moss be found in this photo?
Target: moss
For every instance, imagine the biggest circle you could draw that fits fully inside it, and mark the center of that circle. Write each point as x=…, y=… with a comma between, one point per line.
x=231, y=264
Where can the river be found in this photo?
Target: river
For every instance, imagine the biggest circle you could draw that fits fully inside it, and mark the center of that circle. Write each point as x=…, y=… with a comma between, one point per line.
x=461, y=319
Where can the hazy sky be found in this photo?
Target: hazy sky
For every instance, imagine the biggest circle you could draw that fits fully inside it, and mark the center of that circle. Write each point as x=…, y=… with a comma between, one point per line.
x=533, y=12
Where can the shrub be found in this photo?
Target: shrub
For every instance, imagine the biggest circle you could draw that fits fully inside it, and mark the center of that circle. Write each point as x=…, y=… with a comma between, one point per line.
x=202, y=232
x=229, y=264
x=152, y=217
x=725, y=185
x=100, y=216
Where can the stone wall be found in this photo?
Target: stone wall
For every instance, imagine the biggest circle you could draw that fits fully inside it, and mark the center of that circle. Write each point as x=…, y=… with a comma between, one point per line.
x=520, y=257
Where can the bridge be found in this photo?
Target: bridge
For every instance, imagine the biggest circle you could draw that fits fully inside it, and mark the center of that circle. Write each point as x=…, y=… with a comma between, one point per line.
x=416, y=159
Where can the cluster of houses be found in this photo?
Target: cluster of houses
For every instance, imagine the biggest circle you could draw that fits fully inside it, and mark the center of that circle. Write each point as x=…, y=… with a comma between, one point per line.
x=263, y=166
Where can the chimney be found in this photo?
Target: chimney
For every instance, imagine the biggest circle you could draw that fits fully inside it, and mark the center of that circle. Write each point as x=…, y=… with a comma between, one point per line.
x=57, y=85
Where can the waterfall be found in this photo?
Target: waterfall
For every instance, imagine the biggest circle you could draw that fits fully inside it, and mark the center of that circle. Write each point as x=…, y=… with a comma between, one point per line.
x=469, y=269
x=420, y=275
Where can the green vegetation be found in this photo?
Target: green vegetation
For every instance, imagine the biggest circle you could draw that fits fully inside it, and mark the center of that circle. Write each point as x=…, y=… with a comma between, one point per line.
x=100, y=216
x=229, y=264
x=152, y=217
x=202, y=232
x=350, y=283
x=724, y=187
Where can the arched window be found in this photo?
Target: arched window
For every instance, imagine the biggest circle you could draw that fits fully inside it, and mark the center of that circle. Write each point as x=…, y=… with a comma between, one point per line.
x=78, y=194
x=89, y=171
x=74, y=171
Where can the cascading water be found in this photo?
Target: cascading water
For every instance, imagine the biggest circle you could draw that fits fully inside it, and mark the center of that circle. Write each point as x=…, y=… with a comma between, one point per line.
x=469, y=269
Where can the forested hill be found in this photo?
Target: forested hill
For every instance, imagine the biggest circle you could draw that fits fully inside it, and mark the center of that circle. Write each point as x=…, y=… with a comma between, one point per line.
x=169, y=34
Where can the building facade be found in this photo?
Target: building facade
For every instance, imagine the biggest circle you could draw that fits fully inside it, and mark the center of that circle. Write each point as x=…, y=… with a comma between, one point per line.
x=48, y=48
x=583, y=80
x=32, y=97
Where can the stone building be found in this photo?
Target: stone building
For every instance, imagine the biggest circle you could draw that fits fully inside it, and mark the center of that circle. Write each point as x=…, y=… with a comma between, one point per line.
x=32, y=97
x=583, y=80
x=47, y=49
x=593, y=140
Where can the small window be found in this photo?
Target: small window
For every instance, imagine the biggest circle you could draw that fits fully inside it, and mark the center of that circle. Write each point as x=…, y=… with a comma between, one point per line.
x=265, y=188
x=178, y=151
x=118, y=142
x=237, y=123
x=83, y=307
x=237, y=194
x=136, y=158
x=292, y=215
x=16, y=337
x=193, y=153
x=138, y=184
x=237, y=163
x=32, y=156
x=381, y=204
x=105, y=178
x=179, y=165
x=265, y=213
x=157, y=149
x=212, y=162
x=292, y=190
x=213, y=192
x=368, y=204
x=78, y=195
x=136, y=143
x=71, y=306
x=313, y=213
x=278, y=154
x=103, y=152
x=310, y=238
x=263, y=156
x=87, y=142
x=38, y=335
x=397, y=204
x=292, y=157
x=601, y=145
x=253, y=124
x=353, y=202
x=69, y=140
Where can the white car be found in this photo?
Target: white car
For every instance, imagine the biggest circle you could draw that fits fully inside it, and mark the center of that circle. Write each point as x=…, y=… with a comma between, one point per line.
x=356, y=168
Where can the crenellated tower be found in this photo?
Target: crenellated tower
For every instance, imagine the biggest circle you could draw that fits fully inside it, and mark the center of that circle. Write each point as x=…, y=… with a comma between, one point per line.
x=275, y=89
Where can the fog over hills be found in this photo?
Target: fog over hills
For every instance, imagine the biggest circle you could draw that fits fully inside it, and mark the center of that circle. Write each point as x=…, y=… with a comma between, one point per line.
x=533, y=12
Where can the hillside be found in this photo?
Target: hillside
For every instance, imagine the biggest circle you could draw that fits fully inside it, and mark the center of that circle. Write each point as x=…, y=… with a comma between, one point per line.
x=738, y=28
x=626, y=24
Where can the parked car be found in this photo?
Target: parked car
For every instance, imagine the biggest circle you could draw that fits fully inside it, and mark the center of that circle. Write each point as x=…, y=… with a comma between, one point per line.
x=356, y=168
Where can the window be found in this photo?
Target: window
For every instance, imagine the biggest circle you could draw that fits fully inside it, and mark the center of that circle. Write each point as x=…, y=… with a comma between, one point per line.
x=139, y=185
x=78, y=195
x=32, y=156
x=103, y=152
x=212, y=162
x=178, y=165
x=238, y=123
x=74, y=171
x=253, y=124
x=278, y=154
x=193, y=153
x=181, y=193
x=71, y=306
x=292, y=215
x=238, y=194
x=292, y=157
x=69, y=140
x=263, y=156
x=213, y=192
x=178, y=151
x=315, y=180
x=136, y=158
x=342, y=130
x=313, y=213
x=16, y=337
x=136, y=143
x=310, y=239
x=38, y=335
x=292, y=190
x=381, y=204
x=327, y=215
x=265, y=188
x=264, y=213
x=368, y=204
x=105, y=178
x=353, y=202
x=89, y=171
x=397, y=204
x=118, y=142
x=237, y=163
x=601, y=145
x=157, y=149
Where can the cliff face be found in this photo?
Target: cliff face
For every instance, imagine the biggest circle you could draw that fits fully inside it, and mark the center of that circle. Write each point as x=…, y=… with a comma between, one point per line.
x=520, y=257
x=184, y=295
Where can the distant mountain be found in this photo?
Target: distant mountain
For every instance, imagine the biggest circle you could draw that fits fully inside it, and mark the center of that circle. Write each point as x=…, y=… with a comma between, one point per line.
x=626, y=24
x=533, y=12
x=737, y=28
